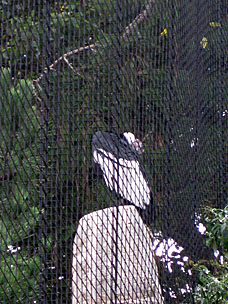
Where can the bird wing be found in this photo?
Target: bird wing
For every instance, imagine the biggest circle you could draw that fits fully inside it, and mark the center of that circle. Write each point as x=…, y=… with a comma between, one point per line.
x=124, y=176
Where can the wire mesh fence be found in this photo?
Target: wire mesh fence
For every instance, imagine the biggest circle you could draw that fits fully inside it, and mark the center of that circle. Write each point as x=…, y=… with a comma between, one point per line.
x=119, y=221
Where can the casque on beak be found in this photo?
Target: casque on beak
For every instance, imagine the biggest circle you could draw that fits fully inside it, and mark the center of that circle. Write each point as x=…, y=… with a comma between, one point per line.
x=138, y=146
x=134, y=142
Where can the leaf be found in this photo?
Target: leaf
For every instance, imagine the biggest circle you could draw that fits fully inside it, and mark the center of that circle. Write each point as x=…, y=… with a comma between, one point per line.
x=204, y=42
x=223, y=227
x=5, y=80
x=214, y=24
x=165, y=31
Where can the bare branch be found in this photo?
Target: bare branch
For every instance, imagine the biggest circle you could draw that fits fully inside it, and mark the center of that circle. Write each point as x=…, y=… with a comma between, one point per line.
x=69, y=64
x=64, y=58
x=139, y=19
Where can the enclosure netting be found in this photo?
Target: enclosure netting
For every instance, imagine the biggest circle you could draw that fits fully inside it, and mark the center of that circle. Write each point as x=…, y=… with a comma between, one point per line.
x=155, y=68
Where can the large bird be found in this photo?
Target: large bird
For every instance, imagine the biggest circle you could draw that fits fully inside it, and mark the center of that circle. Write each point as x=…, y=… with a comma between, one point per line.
x=118, y=160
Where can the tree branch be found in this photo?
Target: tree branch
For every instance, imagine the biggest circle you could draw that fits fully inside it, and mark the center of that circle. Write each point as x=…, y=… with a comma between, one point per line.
x=64, y=58
x=139, y=19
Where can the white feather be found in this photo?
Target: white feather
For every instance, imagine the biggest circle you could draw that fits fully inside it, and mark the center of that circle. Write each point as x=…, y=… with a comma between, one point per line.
x=129, y=183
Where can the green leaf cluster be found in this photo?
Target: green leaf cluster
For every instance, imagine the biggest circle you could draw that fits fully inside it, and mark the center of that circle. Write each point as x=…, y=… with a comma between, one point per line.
x=19, y=189
x=213, y=278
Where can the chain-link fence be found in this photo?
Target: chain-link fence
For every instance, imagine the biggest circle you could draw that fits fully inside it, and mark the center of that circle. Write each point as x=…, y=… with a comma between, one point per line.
x=89, y=214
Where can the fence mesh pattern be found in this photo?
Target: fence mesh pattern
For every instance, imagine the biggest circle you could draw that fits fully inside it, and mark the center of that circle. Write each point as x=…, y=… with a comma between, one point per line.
x=69, y=231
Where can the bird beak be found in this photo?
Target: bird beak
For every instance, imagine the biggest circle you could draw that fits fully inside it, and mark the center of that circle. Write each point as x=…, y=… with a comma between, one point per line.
x=138, y=146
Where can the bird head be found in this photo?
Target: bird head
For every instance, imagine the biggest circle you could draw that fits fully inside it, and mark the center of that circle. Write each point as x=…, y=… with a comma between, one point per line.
x=135, y=143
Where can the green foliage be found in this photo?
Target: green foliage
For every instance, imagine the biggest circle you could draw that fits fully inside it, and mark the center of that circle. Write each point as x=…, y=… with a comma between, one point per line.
x=213, y=279
x=72, y=23
x=17, y=273
x=212, y=289
x=217, y=228
x=20, y=217
x=19, y=189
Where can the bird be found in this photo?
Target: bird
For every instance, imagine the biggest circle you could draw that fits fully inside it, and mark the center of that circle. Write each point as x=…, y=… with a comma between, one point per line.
x=117, y=158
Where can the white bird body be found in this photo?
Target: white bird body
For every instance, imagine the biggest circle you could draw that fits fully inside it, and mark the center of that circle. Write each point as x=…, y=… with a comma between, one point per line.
x=119, y=163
